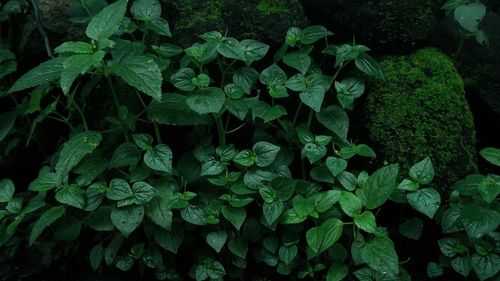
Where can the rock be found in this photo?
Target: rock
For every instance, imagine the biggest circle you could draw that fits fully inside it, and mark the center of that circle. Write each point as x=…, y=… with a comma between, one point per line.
x=420, y=110
x=243, y=19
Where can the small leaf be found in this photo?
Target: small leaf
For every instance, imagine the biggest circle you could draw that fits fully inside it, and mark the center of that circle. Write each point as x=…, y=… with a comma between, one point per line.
x=313, y=97
x=366, y=221
x=273, y=75
x=369, y=66
x=265, y=153
x=381, y=256
x=350, y=204
x=194, y=215
x=486, y=266
x=127, y=219
x=337, y=272
x=380, y=186
x=470, y=15
x=7, y=120
x=96, y=255
x=7, y=190
x=335, y=119
x=146, y=9
x=272, y=211
x=208, y=100
x=336, y=165
x=77, y=47
x=313, y=33
x=125, y=155
x=216, y=240
x=426, y=201
x=158, y=210
x=45, y=220
x=434, y=270
x=492, y=155
x=159, y=159
x=71, y=195
x=298, y=60
x=423, y=171
x=412, y=228
x=236, y=216
x=254, y=50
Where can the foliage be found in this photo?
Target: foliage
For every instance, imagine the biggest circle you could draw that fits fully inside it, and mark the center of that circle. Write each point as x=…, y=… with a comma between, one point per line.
x=281, y=199
x=420, y=110
x=470, y=222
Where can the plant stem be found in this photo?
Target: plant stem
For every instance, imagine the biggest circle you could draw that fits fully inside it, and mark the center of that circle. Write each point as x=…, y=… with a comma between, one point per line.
x=220, y=129
x=310, y=118
x=294, y=122
x=117, y=104
x=157, y=132
x=155, y=125
x=82, y=116
x=460, y=47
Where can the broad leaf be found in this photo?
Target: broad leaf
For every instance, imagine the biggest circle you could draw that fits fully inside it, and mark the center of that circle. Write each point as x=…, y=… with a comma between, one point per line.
x=369, y=66
x=141, y=73
x=381, y=256
x=44, y=73
x=127, y=219
x=336, y=120
x=426, y=201
x=423, y=171
x=313, y=33
x=491, y=154
x=216, y=240
x=7, y=190
x=74, y=150
x=469, y=16
x=265, y=153
x=45, y=220
x=159, y=159
x=173, y=110
x=209, y=100
x=366, y=221
x=71, y=195
x=380, y=186
x=107, y=21
x=298, y=60
x=236, y=216
x=322, y=237
x=313, y=97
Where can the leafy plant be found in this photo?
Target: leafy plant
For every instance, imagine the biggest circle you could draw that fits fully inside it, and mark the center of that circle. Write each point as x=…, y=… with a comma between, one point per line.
x=469, y=15
x=470, y=222
x=272, y=190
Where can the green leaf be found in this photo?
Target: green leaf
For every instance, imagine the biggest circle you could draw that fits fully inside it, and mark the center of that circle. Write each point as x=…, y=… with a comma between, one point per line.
x=423, y=171
x=366, y=221
x=408, y=185
x=491, y=155
x=143, y=192
x=216, y=240
x=158, y=210
x=350, y=204
x=479, y=221
x=335, y=119
x=46, y=219
x=173, y=110
x=434, y=270
x=127, y=219
x=112, y=249
x=7, y=190
x=313, y=152
x=231, y=49
x=313, y=33
x=236, y=216
x=337, y=272
x=265, y=153
x=412, y=228
x=44, y=73
x=183, y=78
x=238, y=247
x=125, y=155
x=119, y=189
x=107, y=21
x=322, y=237
x=287, y=253
x=336, y=165
x=77, y=47
x=74, y=150
x=96, y=255
x=365, y=150
x=71, y=195
x=298, y=60
x=273, y=75
x=194, y=215
x=7, y=120
x=381, y=256
x=369, y=66
x=169, y=240
x=76, y=65
x=146, y=10
x=143, y=141
x=486, y=266
x=451, y=247
x=462, y=265
x=159, y=26
x=348, y=90
x=141, y=73
x=266, y=112
x=380, y=186
x=325, y=200
x=293, y=35
x=254, y=50
x=296, y=83
x=272, y=211
x=167, y=50
x=313, y=97
x=159, y=159
x=469, y=16
x=246, y=77
x=453, y=4
x=426, y=201
x=208, y=100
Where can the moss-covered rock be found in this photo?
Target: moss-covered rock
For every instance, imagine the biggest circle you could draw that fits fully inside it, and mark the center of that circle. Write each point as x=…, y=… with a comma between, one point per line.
x=420, y=110
x=379, y=24
x=256, y=19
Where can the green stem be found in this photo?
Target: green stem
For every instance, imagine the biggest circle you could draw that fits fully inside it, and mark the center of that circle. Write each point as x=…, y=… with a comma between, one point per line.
x=117, y=105
x=157, y=132
x=460, y=47
x=220, y=129
x=155, y=125
x=310, y=118
x=296, y=115
x=82, y=116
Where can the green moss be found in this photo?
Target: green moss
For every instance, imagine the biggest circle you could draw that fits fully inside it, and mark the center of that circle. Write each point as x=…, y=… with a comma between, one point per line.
x=269, y=7
x=420, y=110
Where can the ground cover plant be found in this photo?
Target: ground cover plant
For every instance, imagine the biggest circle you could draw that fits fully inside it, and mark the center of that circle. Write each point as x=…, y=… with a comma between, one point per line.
x=229, y=158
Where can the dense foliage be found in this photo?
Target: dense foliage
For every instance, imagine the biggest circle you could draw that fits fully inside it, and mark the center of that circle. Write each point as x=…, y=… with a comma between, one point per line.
x=194, y=155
